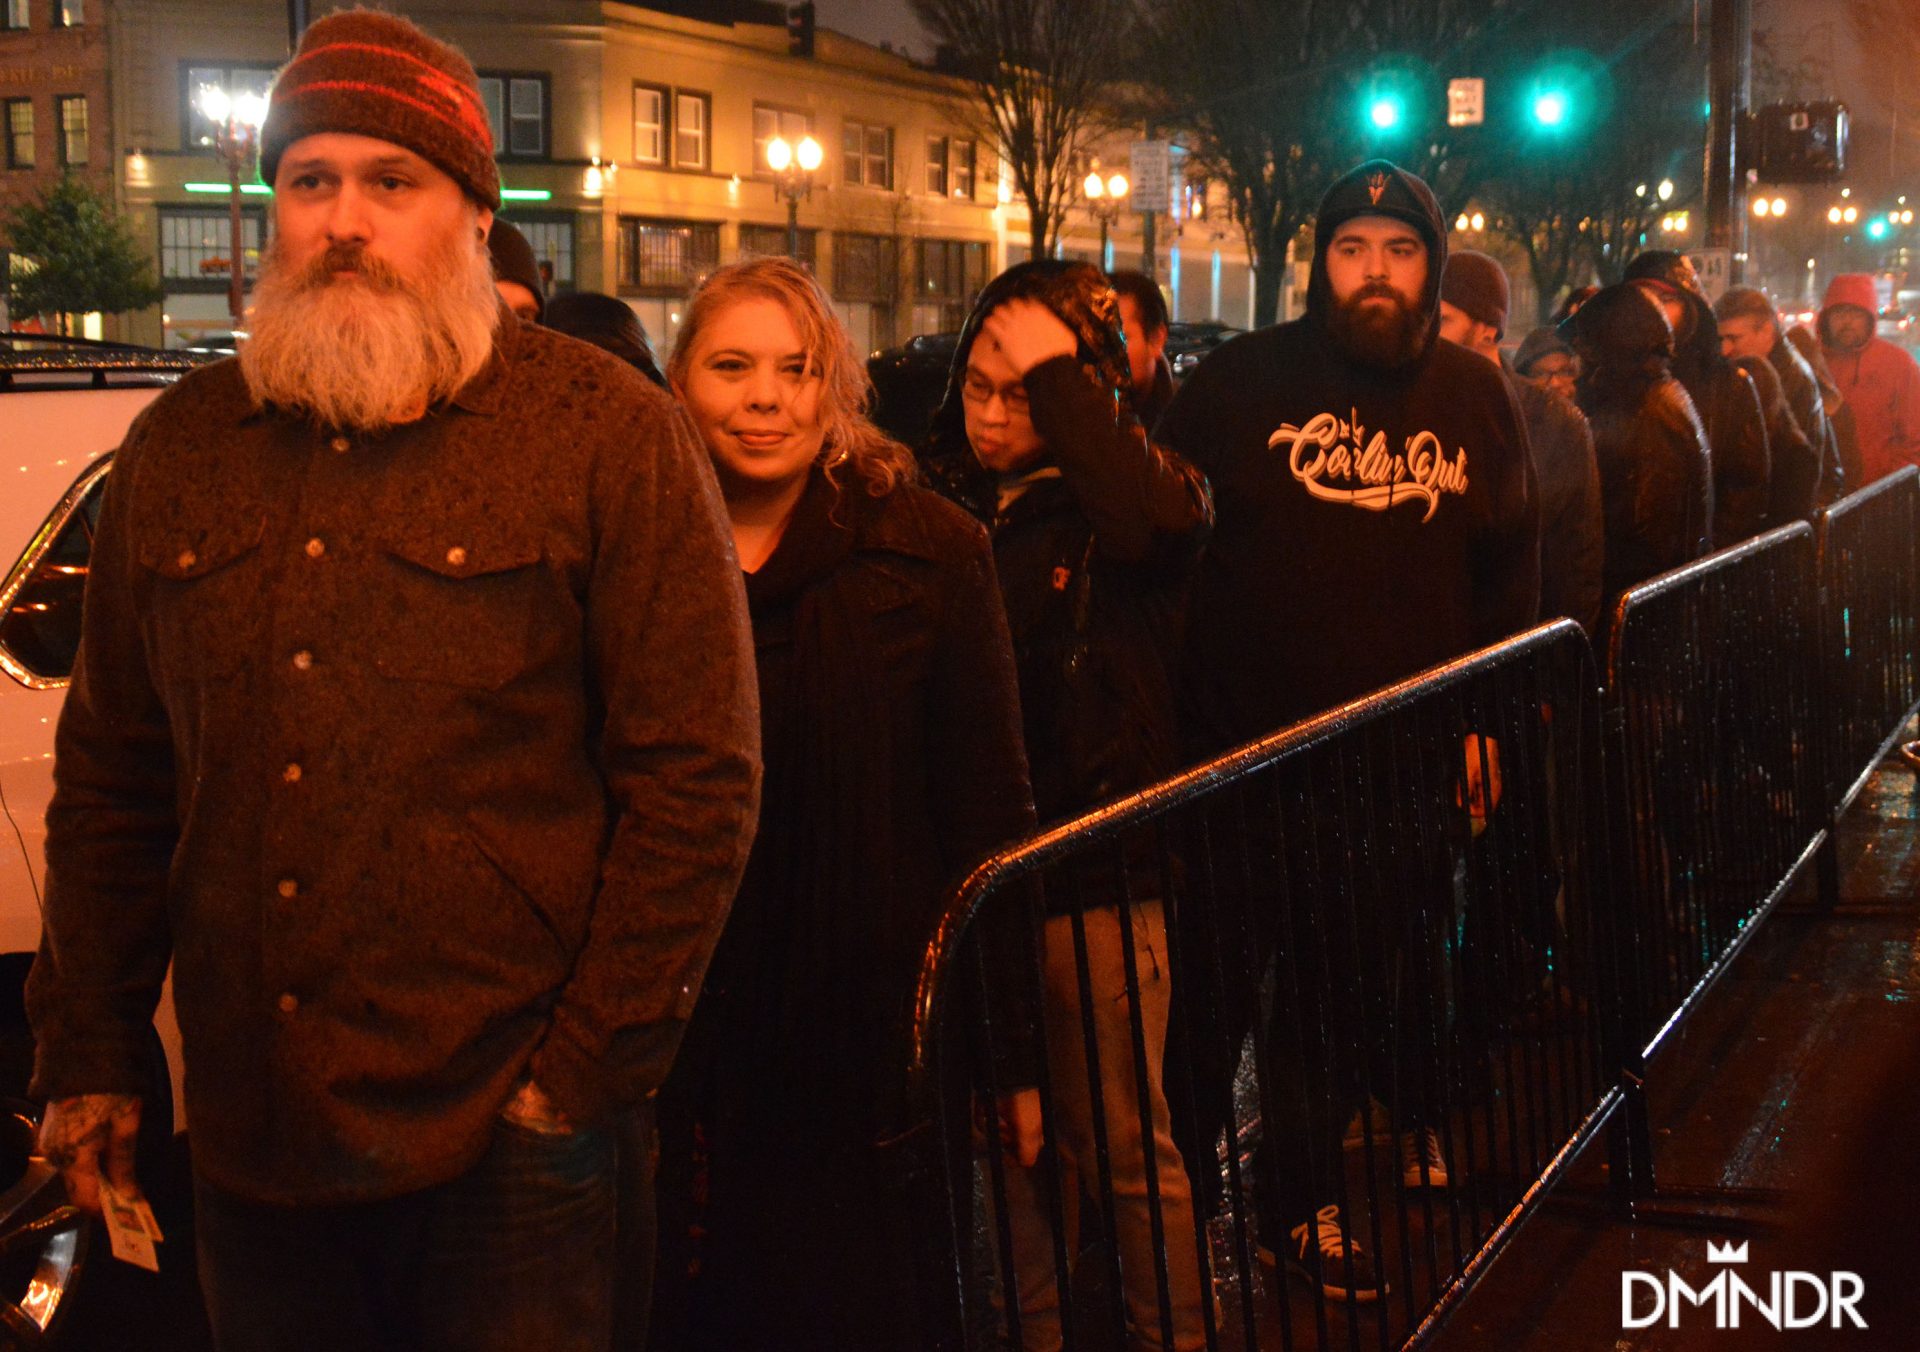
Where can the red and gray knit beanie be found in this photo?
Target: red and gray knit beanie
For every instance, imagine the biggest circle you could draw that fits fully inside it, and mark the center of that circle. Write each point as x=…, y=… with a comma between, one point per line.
x=373, y=74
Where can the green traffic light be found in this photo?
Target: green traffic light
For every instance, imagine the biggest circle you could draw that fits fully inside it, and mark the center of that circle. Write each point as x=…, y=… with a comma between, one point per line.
x=1550, y=108
x=1385, y=113
x=1877, y=228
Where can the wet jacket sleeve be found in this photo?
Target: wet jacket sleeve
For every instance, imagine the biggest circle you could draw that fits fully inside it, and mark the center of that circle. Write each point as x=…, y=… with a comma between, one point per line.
x=1506, y=583
x=1572, y=527
x=1906, y=407
x=111, y=832
x=1142, y=502
x=671, y=655
x=1672, y=509
x=1793, y=458
x=1741, y=468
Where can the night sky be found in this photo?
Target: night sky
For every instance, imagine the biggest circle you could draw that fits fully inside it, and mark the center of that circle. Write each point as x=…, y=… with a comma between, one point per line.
x=874, y=21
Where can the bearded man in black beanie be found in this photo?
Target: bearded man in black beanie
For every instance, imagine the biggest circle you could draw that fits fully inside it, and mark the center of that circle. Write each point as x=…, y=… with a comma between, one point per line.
x=1376, y=515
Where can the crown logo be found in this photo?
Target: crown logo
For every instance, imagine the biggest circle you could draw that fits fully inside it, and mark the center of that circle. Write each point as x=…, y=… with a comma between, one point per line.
x=1726, y=1253
x=1376, y=186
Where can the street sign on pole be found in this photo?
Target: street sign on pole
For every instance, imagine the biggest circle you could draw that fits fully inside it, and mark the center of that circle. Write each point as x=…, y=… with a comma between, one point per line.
x=1715, y=270
x=1466, y=102
x=1150, y=166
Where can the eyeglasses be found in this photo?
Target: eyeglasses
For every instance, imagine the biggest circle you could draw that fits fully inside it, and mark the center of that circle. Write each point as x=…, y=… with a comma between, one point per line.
x=980, y=391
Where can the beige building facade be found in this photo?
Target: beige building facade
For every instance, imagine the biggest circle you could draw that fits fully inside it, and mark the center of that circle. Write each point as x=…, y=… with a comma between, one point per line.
x=632, y=147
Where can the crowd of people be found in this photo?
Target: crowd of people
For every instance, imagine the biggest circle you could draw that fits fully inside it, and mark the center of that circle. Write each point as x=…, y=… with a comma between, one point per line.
x=536, y=765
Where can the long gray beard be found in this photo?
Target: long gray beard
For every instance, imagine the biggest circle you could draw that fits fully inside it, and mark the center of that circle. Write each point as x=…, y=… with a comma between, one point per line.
x=370, y=353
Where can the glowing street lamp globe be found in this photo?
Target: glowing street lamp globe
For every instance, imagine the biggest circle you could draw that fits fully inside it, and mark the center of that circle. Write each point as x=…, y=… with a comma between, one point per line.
x=809, y=154
x=779, y=154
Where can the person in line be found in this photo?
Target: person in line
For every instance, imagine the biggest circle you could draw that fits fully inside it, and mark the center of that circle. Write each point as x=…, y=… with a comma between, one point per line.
x=1095, y=533
x=430, y=766
x=516, y=276
x=1879, y=381
x=1750, y=332
x=1376, y=515
x=607, y=322
x=1473, y=313
x=1728, y=399
x=1546, y=358
x=891, y=722
x=1846, y=434
x=1656, y=471
x=1144, y=319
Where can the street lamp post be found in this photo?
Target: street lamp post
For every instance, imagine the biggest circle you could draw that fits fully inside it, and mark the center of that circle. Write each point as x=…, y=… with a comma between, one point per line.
x=1104, y=196
x=236, y=135
x=793, y=170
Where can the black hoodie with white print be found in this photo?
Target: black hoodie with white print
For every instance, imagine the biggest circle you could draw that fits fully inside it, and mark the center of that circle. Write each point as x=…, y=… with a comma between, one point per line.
x=1370, y=521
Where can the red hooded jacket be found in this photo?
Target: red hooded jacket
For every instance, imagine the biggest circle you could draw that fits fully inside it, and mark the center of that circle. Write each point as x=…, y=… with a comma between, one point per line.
x=1881, y=382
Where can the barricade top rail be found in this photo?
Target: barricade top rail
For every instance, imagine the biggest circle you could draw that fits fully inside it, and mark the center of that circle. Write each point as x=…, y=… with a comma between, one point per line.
x=1149, y=803
x=1634, y=598
x=1878, y=488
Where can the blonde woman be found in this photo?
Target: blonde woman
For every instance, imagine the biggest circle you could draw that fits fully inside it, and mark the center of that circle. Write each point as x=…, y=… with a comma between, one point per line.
x=892, y=740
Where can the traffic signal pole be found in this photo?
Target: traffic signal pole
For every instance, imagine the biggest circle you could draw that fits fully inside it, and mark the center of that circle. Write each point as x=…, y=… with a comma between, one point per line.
x=1730, y=81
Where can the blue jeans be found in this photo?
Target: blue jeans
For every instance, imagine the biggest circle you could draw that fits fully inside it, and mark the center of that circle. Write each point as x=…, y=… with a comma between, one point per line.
x=516, y=1253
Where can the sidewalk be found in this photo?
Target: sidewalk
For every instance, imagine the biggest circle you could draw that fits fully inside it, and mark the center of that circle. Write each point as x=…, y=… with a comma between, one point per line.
x=1787, y=1115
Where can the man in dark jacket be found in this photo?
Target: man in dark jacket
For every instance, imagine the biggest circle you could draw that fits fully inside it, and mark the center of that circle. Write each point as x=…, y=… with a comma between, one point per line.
x=1473, y=313
x=1376, y=515
x=429, y=765
x=1095, y=532
x=1144, y=319
x=1750, y=332
x=1727, y=398
x=1656, y=475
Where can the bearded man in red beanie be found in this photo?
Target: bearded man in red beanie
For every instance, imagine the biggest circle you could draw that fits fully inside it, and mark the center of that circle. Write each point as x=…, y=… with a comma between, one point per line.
x=1879, y=381
x=430, y=764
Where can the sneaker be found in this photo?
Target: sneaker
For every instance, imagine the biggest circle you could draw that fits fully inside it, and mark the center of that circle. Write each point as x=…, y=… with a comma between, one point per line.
x=1422, y=1163
x=1322, y=1252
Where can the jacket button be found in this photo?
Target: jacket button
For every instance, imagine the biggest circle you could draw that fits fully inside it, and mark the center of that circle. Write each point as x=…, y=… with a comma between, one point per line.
x=316, y=547
x=187, y=559
x=292, y=773
x=340, y=444
x=457, y=556
x=289, y=888
x=288, y=1002
x=302, y=660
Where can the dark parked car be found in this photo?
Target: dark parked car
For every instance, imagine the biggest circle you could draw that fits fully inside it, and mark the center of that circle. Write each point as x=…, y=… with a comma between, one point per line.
x=908, y=381
x=1188, y=343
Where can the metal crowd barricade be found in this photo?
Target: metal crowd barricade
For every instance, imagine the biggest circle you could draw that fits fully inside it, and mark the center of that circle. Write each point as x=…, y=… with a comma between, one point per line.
x=1385, y=918
x=1717, y=788
x=1869, y=677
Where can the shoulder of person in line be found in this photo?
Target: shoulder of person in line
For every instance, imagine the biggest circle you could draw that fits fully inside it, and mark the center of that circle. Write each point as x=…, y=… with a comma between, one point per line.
x=915, y=520
x=570, y=371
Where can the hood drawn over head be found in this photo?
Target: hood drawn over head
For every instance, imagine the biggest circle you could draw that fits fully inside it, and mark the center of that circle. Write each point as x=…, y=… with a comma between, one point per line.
x=1081, y=296
x=1621, y=336
x=1380, y=188
x=1850, y=288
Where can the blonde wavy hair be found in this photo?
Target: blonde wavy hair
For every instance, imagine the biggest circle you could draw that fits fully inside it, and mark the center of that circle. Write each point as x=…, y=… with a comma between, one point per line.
x=850, y=439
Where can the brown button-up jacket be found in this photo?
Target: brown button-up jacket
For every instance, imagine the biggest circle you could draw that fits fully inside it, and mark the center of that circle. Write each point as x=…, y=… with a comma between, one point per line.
x=430, y=759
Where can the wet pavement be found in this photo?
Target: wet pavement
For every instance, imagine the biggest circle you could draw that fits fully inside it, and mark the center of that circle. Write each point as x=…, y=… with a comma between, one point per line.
x=1787, y=1116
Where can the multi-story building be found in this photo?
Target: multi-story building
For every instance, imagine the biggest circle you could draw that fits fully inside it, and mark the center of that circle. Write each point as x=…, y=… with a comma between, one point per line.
x=54, y=98
x=632, y=144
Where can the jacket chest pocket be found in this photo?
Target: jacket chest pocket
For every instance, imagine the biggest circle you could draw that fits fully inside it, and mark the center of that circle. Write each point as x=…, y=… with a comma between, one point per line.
x=457, y=607
x=204, y=614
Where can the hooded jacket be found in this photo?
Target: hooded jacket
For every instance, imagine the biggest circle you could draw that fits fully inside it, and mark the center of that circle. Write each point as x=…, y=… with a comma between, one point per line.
x=1730, y=408
x=1880, y=382
x=1371, y=522
x=1656, y=477
x=1094, y=548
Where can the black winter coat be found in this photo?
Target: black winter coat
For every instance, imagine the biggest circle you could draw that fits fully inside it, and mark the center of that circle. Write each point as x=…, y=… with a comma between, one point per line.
x=1656, y=476
x=1730, y=408
x=1793, y=455
x=1572, y=524
x=1808, y=400
x=1093, y=566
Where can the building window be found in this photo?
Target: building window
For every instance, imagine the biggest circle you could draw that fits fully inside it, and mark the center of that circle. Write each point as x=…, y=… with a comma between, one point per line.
x=195, y=246
x=18, y=15
x=666, y=257
x=20, y=134
x=768, y=122
x=234, y=81
x=770, y=241
x=649, y=124
x=552, y=242
x=866, y=267
x=951, y=161
x=692, y=117
x=73, y=128
x=867, y=155
x=517, y=113
x=68, y=13
x=951, y=270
